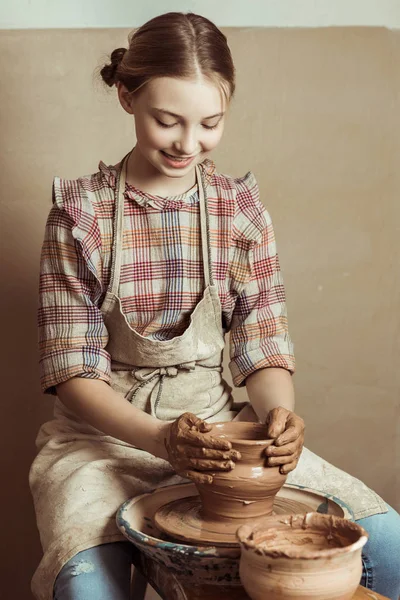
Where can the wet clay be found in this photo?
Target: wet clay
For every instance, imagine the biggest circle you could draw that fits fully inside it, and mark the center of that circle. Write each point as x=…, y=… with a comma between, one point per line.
x=311, y=556
x=249, y=490
x=234, y=497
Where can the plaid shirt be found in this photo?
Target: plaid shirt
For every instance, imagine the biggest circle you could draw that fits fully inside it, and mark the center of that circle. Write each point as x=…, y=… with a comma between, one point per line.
x=161, y=274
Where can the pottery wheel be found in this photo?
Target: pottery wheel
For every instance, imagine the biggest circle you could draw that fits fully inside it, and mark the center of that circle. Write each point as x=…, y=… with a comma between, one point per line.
x=181, y=520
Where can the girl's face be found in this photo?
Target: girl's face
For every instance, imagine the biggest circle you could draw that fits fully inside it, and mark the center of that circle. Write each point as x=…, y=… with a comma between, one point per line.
x=178, y=122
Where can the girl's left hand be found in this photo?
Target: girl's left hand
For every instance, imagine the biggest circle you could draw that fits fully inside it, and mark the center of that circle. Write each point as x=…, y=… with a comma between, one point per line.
x=287, y=429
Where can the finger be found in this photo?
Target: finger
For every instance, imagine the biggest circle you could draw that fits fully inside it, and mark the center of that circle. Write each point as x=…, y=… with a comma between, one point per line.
x=276, y=461
x=294, y=429
x=210, y=465
x=287, y=468
x=198, y=477
x=200, y=452
x=285, y=450
x=197, y=423
x=276, y=421
x=207, y=441
x=290, y=435
x=205, y=427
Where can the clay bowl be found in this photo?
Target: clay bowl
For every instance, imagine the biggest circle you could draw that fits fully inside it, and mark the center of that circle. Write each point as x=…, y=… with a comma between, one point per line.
x=311, y=556
x=248, y=491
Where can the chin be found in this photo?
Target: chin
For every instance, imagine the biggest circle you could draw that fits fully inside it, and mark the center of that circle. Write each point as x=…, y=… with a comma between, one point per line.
x=170, y=172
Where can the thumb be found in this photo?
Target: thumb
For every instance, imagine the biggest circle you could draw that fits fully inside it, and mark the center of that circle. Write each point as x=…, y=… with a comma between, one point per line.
x=276, y=421
x=205, y=427
x=194, y=421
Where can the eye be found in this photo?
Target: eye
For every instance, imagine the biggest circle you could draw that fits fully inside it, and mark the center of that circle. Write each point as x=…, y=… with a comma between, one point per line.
x=209, y=127
x=165, y=124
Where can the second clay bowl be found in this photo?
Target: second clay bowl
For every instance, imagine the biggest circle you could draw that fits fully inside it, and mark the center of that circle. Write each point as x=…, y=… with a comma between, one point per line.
x=293, y=557
x=248, y=491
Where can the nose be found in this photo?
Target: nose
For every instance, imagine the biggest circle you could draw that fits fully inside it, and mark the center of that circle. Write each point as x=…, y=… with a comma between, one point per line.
x=187, y=144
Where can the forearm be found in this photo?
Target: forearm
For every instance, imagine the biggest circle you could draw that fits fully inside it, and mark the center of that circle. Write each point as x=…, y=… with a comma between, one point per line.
x=269, y=388
x=95, y=402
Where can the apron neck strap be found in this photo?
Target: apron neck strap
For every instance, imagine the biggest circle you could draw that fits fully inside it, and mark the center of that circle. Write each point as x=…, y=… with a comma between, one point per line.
x=204, y=229
x=118, y=228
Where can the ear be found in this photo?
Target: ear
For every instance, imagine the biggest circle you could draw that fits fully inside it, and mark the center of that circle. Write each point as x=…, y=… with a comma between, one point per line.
x=125, y=98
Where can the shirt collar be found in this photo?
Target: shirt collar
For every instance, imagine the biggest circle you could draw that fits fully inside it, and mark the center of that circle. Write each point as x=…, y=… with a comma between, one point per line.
x=109, y=173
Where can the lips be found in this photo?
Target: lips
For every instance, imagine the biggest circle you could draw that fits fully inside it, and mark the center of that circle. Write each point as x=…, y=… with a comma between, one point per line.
x=177, y=162
x=173, y=157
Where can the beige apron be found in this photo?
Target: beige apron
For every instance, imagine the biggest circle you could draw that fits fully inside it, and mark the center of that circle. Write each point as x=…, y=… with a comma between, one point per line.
x=80, y=476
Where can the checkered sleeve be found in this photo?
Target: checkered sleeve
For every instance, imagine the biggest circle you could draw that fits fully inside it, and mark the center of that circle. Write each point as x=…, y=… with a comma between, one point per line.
x=72, y=334
x=259, y=334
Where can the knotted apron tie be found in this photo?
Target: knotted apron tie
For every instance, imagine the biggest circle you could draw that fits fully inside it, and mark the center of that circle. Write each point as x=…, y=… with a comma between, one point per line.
x=148, y=374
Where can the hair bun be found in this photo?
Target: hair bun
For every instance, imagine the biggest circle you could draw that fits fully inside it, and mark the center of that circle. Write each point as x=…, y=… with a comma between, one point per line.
x=108, y=72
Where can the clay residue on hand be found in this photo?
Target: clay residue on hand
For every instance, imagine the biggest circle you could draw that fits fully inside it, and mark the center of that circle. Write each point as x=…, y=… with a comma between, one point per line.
x=195, y=454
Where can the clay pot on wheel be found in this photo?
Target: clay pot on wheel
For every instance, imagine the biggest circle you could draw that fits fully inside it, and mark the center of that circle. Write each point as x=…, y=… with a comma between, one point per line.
x=249, y=490
x=311, y=556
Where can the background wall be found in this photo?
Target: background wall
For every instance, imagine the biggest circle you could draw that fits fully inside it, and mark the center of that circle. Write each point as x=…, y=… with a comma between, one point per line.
x=225, y=13
x=316, y=119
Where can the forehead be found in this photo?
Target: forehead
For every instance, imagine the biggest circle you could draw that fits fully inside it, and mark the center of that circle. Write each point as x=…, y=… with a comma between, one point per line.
x=198, y=98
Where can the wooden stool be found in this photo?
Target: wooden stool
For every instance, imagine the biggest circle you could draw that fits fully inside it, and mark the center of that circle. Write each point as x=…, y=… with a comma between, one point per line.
x=138, y=585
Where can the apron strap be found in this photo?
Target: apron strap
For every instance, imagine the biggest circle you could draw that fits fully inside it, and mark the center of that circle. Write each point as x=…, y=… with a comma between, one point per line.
x=118, y=227
x=204, y=230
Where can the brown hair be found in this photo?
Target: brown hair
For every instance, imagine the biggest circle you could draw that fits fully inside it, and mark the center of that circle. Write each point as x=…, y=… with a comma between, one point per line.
x=173, y=45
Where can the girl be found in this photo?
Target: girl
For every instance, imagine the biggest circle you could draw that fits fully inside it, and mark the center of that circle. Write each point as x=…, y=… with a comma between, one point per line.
x=145, y=266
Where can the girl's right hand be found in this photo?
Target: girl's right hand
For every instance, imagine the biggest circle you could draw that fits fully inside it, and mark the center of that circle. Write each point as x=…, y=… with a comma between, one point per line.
x=195, y=455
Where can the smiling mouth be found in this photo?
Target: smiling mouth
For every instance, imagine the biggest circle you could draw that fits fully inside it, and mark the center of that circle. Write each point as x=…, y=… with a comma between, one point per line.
x=182, y=158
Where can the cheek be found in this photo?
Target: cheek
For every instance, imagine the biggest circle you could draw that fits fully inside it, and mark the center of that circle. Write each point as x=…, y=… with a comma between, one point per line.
x=150, y=135
x=212, y=139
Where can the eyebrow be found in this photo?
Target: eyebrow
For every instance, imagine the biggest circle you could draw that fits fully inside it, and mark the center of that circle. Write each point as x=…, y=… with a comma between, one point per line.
x=171, y=114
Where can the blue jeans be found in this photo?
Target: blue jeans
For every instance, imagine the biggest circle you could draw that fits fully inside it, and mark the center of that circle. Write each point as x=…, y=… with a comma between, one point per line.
x=381, y=554
x=99, y=573
x=103, y=572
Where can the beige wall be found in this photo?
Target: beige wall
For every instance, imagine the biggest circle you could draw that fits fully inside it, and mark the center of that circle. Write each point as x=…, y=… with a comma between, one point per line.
x=316, y=118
